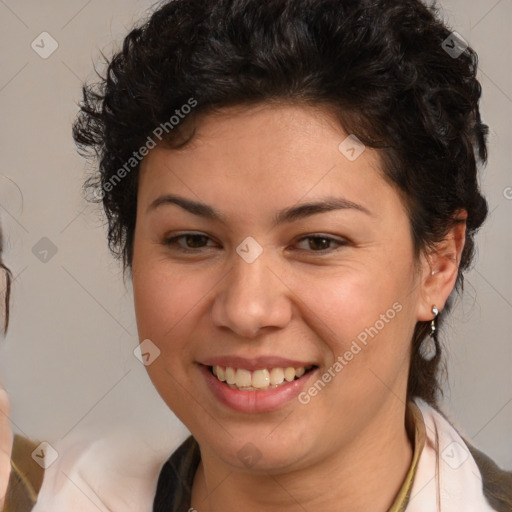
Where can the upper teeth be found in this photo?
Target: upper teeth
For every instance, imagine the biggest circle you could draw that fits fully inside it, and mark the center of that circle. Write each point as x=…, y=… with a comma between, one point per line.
x=258, y=379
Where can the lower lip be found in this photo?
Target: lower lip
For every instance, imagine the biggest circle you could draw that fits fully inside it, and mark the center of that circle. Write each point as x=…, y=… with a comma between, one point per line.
x=254, y=401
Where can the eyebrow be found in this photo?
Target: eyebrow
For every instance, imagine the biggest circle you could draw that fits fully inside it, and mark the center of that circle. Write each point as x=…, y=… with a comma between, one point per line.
x=287, y=215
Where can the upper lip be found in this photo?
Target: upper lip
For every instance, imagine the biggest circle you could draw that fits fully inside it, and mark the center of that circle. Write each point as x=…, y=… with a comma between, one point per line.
x=255, y=363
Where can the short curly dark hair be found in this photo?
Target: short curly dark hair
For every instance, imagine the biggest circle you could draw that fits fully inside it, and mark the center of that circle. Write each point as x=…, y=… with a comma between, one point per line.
x=383, y=66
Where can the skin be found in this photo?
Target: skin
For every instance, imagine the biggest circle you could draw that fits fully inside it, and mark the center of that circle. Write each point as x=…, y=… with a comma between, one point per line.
x=347, y=449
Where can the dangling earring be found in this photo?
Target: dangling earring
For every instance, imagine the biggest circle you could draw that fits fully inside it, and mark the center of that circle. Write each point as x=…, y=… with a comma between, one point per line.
x=433, y=322
x=428, y=348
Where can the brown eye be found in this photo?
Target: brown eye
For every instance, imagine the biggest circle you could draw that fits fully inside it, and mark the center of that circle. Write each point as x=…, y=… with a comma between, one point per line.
x=320, y=243
x=195, y=241
x=187, y=242
x=317, y=243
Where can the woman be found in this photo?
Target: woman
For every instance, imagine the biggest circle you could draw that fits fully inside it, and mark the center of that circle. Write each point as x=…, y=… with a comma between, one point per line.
x=6, y=437
x=292, y=185
x=20, y=477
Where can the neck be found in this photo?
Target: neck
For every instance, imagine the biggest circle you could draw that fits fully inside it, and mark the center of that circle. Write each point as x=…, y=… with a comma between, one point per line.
x=367, y=475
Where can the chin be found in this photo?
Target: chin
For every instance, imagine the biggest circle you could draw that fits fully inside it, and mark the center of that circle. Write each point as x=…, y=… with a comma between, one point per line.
x=253, y=450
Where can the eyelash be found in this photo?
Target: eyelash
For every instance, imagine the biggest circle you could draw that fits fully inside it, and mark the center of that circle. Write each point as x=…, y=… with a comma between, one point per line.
x=172, y=242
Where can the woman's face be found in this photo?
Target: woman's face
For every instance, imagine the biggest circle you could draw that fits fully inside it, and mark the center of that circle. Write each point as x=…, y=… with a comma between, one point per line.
x=263, y=283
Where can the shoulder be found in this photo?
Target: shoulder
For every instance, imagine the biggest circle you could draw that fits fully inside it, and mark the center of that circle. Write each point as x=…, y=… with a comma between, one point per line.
x=477, y=481
x=114, y=469
x=497, y=483
x=26, y=477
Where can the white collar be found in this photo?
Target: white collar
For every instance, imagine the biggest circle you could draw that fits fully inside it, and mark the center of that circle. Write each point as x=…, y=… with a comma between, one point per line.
x=96, y=473
x=447, y=477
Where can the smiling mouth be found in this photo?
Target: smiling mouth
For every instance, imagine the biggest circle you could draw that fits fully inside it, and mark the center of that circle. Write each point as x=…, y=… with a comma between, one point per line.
x=258, y=380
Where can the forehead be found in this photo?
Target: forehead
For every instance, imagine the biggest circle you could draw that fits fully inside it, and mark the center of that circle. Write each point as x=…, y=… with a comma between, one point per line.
x=266, y=155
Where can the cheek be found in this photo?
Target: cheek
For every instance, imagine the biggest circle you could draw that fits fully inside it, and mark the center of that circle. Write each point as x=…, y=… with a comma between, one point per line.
x=166, y=307
x=350, y=302
x=164, y=299
x=363, y=315
x=365, y=323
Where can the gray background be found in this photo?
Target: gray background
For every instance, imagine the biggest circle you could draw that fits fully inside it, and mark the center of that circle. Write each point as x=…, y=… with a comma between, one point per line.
x=68, y=361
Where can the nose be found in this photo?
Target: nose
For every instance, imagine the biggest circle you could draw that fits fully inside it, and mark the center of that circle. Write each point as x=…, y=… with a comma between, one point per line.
x=252, y=297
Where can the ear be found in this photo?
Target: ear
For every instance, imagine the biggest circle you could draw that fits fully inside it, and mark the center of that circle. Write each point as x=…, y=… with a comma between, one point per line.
x=440, y=267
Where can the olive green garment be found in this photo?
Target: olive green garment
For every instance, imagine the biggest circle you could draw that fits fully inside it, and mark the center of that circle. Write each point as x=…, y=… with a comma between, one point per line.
x=25, y=479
